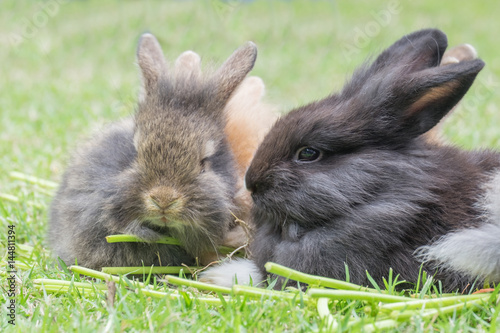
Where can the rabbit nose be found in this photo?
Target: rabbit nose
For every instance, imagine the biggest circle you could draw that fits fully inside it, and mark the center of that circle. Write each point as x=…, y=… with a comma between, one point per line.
x=250, y=184
x=164, y=198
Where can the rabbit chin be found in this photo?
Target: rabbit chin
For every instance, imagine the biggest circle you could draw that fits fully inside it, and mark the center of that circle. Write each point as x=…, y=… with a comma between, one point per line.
x=473, y=251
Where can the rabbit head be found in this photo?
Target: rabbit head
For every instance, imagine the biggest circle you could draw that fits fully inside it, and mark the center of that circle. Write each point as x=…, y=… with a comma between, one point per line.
x=384, y=107
x=183, y=180
x=351, y=178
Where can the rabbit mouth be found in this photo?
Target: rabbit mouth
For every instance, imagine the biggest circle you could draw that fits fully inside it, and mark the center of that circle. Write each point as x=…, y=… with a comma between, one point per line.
x=165, y=221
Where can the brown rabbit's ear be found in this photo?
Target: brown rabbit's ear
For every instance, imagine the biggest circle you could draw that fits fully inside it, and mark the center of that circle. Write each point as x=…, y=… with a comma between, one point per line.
x=234, y=70
x=151, y=60
x=188, y=66
x=251, y=91
x=459, y=53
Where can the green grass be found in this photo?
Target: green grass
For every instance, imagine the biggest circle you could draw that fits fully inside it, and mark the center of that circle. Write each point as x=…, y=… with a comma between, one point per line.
x=67, y=69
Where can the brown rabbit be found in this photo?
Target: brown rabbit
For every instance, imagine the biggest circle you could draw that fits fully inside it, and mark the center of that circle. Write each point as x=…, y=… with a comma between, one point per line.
x=248, y=121
x=168, y=171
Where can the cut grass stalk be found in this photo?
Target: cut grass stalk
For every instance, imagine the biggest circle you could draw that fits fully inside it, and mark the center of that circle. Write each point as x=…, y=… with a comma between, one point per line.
x=259, y=293
x=102, y=275
x=431, y=303
x=22, y=266
x=148, y=270
x=139, y=285
x=406, y=315
x=196, y=284
x=14, y=199
x=314, y=280
x=64, y=289
x=32, y=179
x=165, y=240
x=44, y=191
x=229, y=250
x=160, y=294
x=134, y=239
x=356, y=295
x=63, y=283
x=380, y=325
x=9, y=197
x=61, y=286
x=324, y=312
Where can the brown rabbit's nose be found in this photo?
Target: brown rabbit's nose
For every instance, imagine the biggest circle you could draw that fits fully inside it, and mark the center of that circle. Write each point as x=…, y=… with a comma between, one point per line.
x=164, y=198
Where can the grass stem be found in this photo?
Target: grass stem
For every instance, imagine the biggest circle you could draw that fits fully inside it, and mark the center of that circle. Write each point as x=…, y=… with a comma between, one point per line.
x=314, y=280
x=147, y=270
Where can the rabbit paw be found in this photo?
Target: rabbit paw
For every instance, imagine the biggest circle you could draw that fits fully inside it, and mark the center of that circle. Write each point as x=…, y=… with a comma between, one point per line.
x=236, y=271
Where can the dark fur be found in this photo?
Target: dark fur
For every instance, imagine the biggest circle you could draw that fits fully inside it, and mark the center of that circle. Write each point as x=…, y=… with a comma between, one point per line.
x=159, y=155
x=380, y=190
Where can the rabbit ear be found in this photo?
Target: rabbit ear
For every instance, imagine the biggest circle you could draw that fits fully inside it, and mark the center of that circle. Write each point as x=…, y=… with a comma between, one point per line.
x=459, y=53
x=151, y=60
x=406, y=87
x=188, y=66
x=234, y=70
x=416, y=51
x=430, y=94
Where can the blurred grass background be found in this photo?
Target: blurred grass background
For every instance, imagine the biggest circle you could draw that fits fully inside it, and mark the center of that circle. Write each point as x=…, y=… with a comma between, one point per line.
x=68, y=67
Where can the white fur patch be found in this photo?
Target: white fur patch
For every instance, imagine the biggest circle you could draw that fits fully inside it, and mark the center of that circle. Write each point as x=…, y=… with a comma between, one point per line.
x=474, y=252
x=242, y=271
x=492, y=198
x=209, y=148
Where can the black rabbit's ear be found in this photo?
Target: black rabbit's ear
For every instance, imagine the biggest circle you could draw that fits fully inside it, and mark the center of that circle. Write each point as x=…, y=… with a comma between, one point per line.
x=151, y=60
x=416, y=51
x=427, y=96
x=405, y=88
x=234, y=70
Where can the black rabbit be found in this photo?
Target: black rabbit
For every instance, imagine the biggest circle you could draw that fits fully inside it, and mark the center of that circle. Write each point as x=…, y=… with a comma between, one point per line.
x=352, y=179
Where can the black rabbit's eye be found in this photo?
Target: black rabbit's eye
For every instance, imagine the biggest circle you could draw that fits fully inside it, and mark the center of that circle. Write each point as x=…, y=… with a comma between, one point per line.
x=308, y=154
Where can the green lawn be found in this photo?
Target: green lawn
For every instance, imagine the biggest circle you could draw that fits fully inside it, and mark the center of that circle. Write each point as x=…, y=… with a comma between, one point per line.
x=68, y=67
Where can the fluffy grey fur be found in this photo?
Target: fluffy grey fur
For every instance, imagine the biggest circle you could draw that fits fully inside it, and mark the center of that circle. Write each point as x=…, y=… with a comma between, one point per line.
x=166, y=172
x=378, y=191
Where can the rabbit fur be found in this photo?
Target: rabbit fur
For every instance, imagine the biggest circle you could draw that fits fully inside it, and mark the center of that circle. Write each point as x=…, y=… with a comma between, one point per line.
x=352, y=179
x=167, y=171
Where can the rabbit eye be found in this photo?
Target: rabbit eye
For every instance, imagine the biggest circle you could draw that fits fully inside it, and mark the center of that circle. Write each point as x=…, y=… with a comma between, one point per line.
x=308, y=154
x=203, y=165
